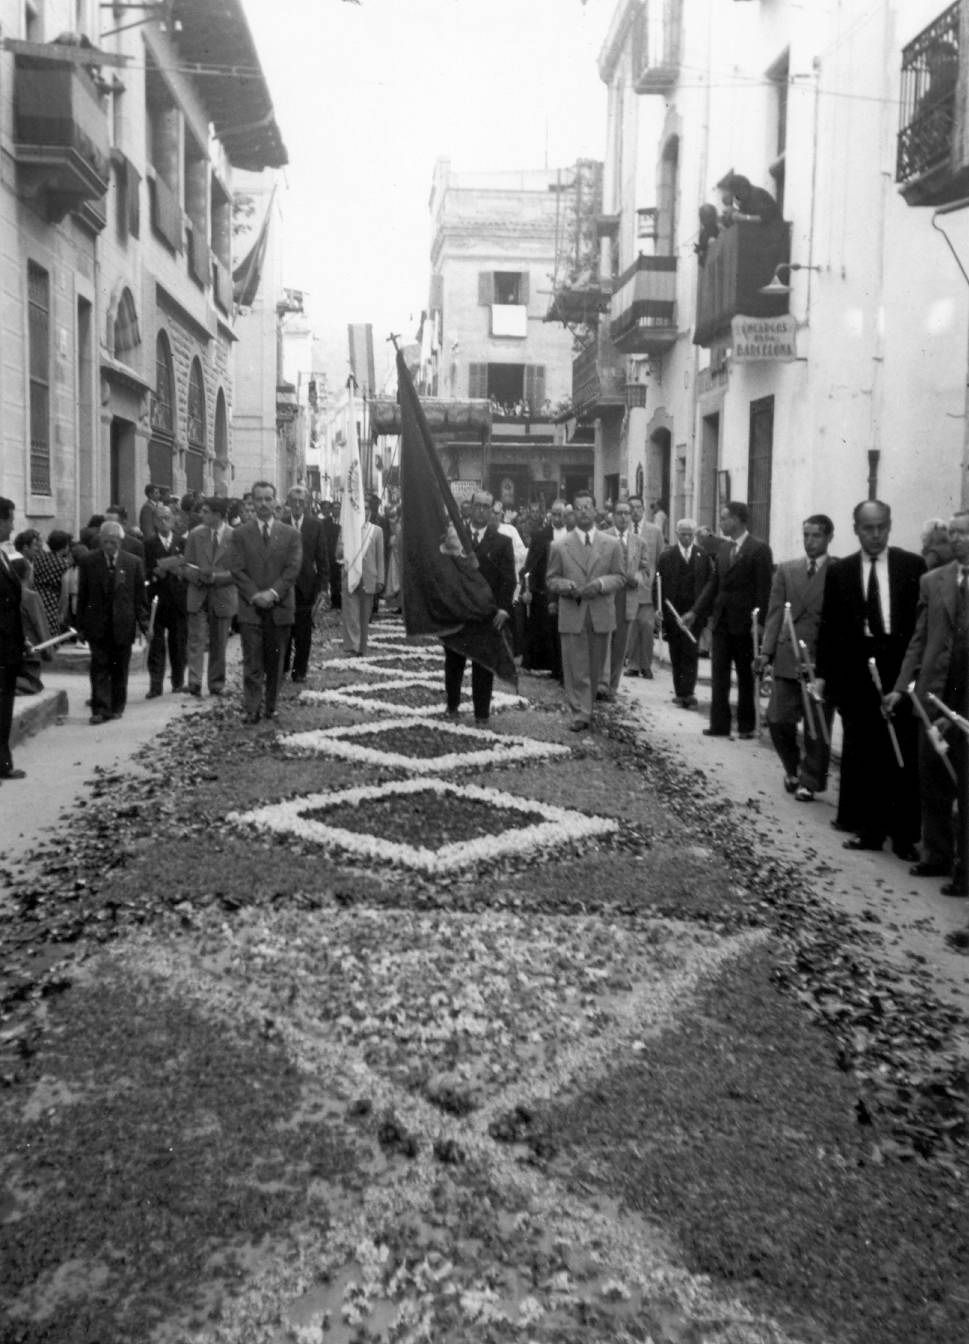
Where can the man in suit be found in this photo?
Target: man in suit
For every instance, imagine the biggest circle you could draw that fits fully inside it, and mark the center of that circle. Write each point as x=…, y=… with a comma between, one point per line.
x=356, y=608
x=111, y=608
x=683, y=571
x=211, y=599
x=117, y=514
x=163, y=551
x=640, y=649
x=584, y=572
x=638, y=577
x=800, y=583
x=496, y=561
x=146, y=518
x=331, y=535
x=868, y=617
x=265, y=556
x=740, y=584
x=11, y=641
x=314, y=573
x=937, y=659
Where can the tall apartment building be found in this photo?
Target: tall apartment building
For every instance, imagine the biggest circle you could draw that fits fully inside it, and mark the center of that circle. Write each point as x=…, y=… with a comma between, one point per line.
x=847, y=377
x=493, y=256
x=119, y=132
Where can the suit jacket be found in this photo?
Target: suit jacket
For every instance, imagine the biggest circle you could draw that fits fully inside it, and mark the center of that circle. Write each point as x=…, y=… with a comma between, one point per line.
x=572, y=562
x=167, y=586
x=133, y=546
x=683, y=582
x=791, y=584
x=213, y=558
x=637, y=565
x=256, y=567
x=735, y=590
x=315, y=570
x=11, y=623
x=929, y=654
x=652, y=539
x=109, y=611
x=496, y=561
x=843, y=650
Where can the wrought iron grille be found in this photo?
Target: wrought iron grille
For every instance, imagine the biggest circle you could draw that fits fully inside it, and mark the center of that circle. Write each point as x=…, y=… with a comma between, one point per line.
x=930, y=73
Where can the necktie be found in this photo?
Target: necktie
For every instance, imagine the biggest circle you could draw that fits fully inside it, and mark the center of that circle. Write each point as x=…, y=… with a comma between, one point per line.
x=588, y=539
x=475, y=539
x=873, y=605
x=265, y=534
x=733, y=554
x=636, y=528
x=812, y=569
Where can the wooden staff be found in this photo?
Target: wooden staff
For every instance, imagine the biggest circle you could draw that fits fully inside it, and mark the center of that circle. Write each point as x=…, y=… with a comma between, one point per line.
x=679, y=621
x=873, y=669
x=796, y=646
x=659, y=607
x=950, y=714
x=151, y=620
x=933, y=734
x=51, y=643
x=755, y=636
x=815, y=694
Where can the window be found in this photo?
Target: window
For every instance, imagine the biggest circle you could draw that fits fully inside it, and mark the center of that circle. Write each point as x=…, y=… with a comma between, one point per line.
x=515, y=391
x=196, y=179
x=38, y=335
x=163, y=131
x=503, y=287
x=163, y=402
x=196, y=409
x=127, y=335
x=930, y=78
x=759, y=466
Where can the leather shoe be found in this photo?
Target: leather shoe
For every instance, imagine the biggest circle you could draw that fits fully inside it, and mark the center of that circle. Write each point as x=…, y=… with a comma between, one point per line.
x=14, y=774
x=153, y=694
x=712, y=732
x=790, y=783
x=482, y=723
x=804, y=794
x=631, y=672
x=99, y=718
x=299, y=677
x=195, y=690
x=907, y=853
x=746, y=737
x=954, y=889
x=863, y=842
x=928, y=870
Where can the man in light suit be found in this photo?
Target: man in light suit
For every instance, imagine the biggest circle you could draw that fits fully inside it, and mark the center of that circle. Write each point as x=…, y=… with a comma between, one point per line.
x=584, y=572
x=313, y=576
x=211, y=600
x=740, y=584
x=683, y=571
x=264, y=558
x=937, y=659
x=868, y=617
x=356, y=608
x=800, y=583
x=111, y=608
x=640, y=650
x=639, y=579
x=11, y=641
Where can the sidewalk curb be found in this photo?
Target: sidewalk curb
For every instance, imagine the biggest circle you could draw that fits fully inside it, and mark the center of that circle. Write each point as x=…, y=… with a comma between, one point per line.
x=32, y=714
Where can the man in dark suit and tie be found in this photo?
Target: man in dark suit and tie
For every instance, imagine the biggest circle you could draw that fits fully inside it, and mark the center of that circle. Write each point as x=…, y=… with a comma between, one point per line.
x=585, y=571
x=867, y=619
x=111, y=608
x=684, y=571
x=740, y=584
x=162, y=564
x=799, y=583
x=264, y=558
x=937, y=660
x=314, y=574
x=11, y=641
x=496, y=561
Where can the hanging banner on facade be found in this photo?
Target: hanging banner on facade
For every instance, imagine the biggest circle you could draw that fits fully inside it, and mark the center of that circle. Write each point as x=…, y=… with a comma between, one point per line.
x=770, y=338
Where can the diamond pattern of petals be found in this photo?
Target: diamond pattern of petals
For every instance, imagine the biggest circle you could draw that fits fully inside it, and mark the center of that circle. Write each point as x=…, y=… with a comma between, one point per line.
x=485, y=747
x=559, y=826
x=426, y=661
x=361, y=696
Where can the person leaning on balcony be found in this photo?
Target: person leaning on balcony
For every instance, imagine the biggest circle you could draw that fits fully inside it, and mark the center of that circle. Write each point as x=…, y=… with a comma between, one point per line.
x=746, y=203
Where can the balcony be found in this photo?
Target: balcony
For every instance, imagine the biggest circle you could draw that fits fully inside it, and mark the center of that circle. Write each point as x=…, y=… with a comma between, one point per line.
x=598, y=378
x=644, y=307
x=579, y=305
x=932, y=162
x=657, y=51
x=738, y=264
x=60, y=135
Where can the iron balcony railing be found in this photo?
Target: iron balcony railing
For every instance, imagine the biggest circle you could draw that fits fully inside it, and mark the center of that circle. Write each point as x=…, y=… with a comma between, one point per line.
x=927, y=159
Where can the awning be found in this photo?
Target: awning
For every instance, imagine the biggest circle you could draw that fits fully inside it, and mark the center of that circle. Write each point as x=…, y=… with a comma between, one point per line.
x=215, y=37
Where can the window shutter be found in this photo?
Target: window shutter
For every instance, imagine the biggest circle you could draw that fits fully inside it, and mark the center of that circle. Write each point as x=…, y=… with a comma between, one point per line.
x=486, y=287
x=534, y=386
x=477, y=380
x=523, y=288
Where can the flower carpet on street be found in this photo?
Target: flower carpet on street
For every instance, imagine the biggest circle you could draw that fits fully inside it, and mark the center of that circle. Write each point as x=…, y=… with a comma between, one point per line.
x=381, y=1026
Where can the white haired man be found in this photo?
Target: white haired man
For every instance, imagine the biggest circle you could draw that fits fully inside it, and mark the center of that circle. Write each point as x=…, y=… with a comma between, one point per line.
x=111, y=608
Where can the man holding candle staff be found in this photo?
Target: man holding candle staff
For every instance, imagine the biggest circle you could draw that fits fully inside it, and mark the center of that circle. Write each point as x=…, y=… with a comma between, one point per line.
x=793, y=617
x=935, y=673
x=168, y=622
x=867, y=620
x=212, y=599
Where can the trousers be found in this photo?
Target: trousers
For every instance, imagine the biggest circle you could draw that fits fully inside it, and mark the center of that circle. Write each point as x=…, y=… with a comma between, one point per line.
x=785, y=711
x=263, y=649
x=482, y=684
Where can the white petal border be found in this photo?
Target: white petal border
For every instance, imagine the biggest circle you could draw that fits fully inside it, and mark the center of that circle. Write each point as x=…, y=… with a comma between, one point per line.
x=350, y=697
x=374, y=662
x=560, y=826
x=504, y=748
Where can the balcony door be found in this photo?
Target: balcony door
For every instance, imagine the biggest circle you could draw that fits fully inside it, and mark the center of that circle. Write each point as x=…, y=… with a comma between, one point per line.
x=759, y=465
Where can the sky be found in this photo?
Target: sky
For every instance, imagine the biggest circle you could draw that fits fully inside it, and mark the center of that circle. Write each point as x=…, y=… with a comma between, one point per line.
x=369, y=95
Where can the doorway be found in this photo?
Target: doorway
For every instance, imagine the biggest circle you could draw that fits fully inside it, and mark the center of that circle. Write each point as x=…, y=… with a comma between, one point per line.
x=760, y=465
x=123, y=464
x=707, y=509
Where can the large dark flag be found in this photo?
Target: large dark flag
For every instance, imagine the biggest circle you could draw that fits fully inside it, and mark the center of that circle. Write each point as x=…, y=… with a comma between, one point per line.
x=444, y=593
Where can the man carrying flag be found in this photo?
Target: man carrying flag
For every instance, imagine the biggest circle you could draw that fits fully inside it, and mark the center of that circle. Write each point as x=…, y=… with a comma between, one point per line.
x=362, y=546
x=451, y=588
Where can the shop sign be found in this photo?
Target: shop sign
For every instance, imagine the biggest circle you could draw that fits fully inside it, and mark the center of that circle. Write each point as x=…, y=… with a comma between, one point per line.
x=763, y=338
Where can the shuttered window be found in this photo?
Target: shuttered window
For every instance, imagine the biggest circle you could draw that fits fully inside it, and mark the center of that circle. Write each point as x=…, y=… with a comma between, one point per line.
x=477, y=380
x=759, y=469
x=534, y=385
x=38, y=335
x=486, y=287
